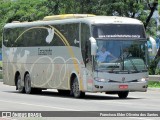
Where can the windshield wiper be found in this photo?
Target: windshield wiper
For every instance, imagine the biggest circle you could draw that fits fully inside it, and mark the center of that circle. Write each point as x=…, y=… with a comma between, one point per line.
x=115, y=66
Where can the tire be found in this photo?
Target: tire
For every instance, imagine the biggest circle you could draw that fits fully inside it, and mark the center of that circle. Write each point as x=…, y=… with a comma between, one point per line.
x=19, y=87
x=123, y=95
x=27, y=84
x=75, y=89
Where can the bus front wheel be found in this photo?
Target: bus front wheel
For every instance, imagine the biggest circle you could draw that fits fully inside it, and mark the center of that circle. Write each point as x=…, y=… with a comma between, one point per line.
x=123, y=94
x=75, y=89
x=27, y=84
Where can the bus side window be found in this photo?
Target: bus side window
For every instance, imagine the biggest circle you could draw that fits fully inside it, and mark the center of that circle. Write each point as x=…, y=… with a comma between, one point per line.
x=10, y=37
x=6, y=37
x=71, y=32
x=85, y=33
x=88, y=56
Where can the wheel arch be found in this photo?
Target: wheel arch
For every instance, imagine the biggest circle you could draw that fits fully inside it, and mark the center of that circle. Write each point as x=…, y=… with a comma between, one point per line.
x=25, y=75
x=73, y=76
x=75, y=93
x=16, y=77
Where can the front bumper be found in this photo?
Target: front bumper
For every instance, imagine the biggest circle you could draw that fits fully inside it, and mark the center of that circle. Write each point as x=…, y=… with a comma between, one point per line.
x=111, y=86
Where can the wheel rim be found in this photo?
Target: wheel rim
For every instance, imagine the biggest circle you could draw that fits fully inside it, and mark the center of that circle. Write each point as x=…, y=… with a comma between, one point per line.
x=76, y=91
x=20, y=88
x=27, y=84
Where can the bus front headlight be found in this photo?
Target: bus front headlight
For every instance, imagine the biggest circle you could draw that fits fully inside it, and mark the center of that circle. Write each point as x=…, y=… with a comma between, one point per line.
x=143, y=80
x=100, y=79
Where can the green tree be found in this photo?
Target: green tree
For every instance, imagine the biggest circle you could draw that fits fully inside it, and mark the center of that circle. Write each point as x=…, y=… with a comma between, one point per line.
x=21, y=10
x=30, y=10
x=4, y=8
x=152, y=6
x=26, y=10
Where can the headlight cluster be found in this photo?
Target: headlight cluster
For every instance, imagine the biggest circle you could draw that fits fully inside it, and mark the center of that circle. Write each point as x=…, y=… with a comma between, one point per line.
x=143, y=79
x=100, y=79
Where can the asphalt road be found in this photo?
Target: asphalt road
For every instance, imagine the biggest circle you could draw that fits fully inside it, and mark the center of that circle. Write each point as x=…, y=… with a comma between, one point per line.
x=50, y=100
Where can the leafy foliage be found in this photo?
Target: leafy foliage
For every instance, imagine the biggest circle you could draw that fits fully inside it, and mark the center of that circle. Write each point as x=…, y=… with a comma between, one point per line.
x=154, y=84
x=31, y=10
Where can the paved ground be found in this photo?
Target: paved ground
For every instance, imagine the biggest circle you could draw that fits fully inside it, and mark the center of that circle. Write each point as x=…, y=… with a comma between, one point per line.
x=50, y=100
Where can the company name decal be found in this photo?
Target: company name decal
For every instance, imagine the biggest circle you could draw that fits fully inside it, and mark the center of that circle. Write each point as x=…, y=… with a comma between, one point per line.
x=44, y=51
x=119, y=36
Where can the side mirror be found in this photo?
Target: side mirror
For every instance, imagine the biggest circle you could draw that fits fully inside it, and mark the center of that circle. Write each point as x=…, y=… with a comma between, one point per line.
x=76, y=41
x=154, y=48
x=93, y=46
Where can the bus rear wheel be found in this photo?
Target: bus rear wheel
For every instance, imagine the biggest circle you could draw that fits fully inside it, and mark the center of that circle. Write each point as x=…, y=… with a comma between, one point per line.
x=75, y=89
x=27, y=84
x=19, y=87
x=123, y=94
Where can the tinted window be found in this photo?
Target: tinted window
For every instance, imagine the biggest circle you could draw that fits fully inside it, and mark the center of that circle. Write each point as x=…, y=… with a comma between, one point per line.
x=118, y=31
x=70, y=32
x=55, y=35
x=85, y=34
x=11, y=35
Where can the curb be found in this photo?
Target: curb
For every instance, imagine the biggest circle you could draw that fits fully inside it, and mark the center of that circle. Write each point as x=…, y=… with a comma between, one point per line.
x=154, y=89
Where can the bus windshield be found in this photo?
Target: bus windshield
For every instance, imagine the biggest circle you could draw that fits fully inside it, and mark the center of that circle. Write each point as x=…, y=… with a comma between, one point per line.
x=120, y=55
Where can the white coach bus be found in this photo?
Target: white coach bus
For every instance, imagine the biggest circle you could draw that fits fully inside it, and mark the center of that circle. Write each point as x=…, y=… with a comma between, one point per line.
x=76, y=53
